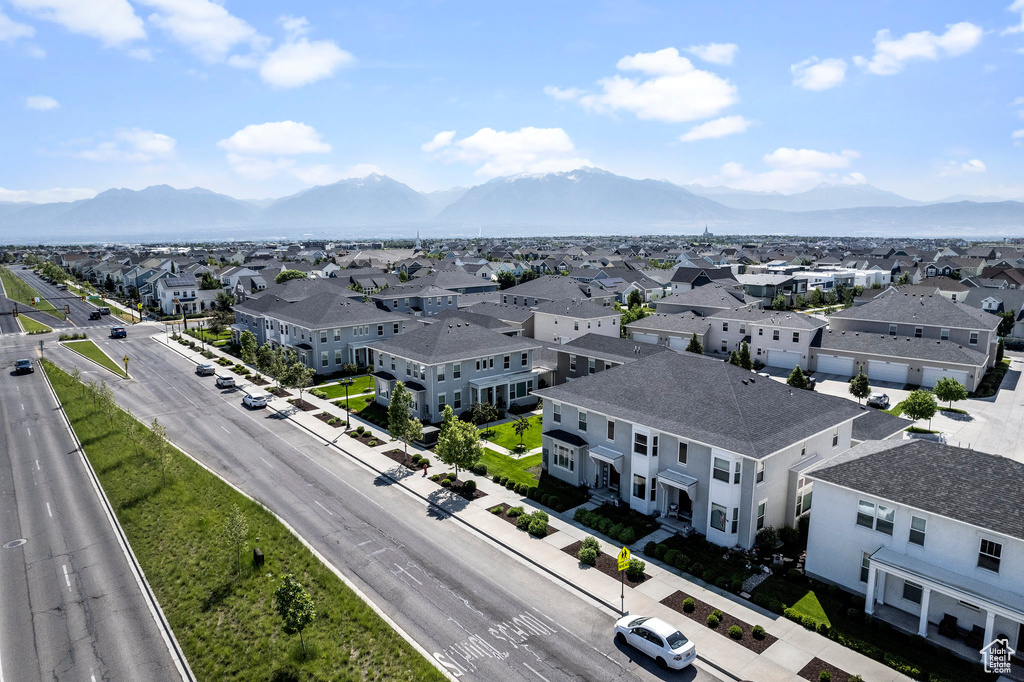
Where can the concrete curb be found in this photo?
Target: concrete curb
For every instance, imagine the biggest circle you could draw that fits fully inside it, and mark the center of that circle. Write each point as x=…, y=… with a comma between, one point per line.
x=63, y=345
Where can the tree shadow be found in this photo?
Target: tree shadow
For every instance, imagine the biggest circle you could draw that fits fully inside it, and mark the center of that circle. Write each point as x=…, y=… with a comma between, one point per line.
x=446, y=500
x=217, y=595
x=140, y=496
x=956, y=416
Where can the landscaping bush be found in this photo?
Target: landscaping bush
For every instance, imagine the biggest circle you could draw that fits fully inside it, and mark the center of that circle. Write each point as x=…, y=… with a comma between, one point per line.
x=523, y=522
x=660, y=550
x=469, y=486
x=579, y=515
x=360, y=429
x=544, y=499
x=824, y=676
x=615, y=531
x=823, y=629
x=372, y=443
x=592, y=542
x=415, y=459
x=722, y=583
x=495, y=510
x=682, y=562
x=735, y=585
x=627, y=536
x=353, y=434
x=672, y=556
x=709, y=576
x=795, y=575
x=767, y=538
x=650, y=548
x=532, y=493
x=480, y=469
x=712, y=621
x=450, y=476
x=522, y=489
x=587, y=555
x=555, y=503
x=688, y=605
x=500, y=480
x=605, y=525
x=790, y=536
x=538, y=524
x=510, y=484
x=636, y=568
x=858, y=678
x=736, y=632
x=758, y=632
x=446, y=483
x=717, y=613
x=513, y=512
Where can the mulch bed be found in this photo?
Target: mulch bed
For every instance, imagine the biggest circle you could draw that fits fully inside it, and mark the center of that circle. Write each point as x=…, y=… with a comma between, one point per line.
x=606, y=563
x=326, y=417
x=302, y=405
x=505, y=507
x=403, y=459
x=700, y=614
x=365, y=438
x=813, y=669
x=260, y=382
x=279, y=392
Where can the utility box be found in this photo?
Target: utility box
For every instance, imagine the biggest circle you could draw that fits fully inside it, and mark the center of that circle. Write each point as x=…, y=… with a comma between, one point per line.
x=257, y=557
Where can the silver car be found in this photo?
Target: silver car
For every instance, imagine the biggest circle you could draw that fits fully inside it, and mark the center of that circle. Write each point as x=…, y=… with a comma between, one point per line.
x=225, y=382
x=205, y=369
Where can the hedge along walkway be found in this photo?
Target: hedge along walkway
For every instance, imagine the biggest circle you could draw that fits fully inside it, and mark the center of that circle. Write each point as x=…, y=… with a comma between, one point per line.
x=226, y=622
x=91, y=351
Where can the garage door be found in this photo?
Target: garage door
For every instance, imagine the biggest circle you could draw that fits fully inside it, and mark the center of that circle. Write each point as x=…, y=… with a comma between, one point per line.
x=646, y=338
x=678, y=343
x=785, y=359
x=887, y=371
x=835, y=364
x=931, y=375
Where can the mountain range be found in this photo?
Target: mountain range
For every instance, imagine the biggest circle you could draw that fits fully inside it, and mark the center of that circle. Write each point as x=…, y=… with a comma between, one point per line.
x=586, y=200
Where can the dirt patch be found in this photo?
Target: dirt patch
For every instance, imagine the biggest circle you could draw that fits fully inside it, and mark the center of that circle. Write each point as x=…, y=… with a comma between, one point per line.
x=365, y=437
x=302, y=405
x=326, y=418
x=400, y=457
x=812, y=671
x=702, y=610
x=260, y=382
x=456, y=487
x=606, y=563
x=512, y=519
x=279, y=392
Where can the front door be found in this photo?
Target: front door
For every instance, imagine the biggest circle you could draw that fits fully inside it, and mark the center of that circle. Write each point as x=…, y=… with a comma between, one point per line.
x=613, y=478
x=685, y=505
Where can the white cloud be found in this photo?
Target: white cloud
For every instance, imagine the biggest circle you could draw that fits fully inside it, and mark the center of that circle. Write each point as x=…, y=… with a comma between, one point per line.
x=204, y=27
x=113, y=22
x=815, y=74
x=790, y=170
x=294, y=27
x=255, y=168
x=719, y=127
x=891, y=54
x=676, y=92
x=36, y=52
x=302, y=62
x=716, y=53
x=280, y=138
x=854, y=179
x=41, y=103
x=45, y=196
x=143, y=54
x=442, y=139
x=527, y=150
x=973, y=166
x=11, y=30
x=1017, y=6
x=1018, y=137
x=957, y=168
x=786, y=157
x=133, y=145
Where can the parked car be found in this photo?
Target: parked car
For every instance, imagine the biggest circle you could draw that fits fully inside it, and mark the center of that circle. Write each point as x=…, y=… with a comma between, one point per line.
x=118, y=333
x=656, y=638
x=225, y=382
x=255, y=400
x=62, y=286
x=205, y=369
x=879, y=400
x=24, y=367
x=94, y=315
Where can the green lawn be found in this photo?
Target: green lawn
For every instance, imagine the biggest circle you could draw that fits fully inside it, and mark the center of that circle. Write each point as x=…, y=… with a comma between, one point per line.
x=358, y=404
x=510, y=467
x=505, y=435
x=93, y=352
x=359, y=385
x=22, y=292
x=224, y=618
x=30, y=325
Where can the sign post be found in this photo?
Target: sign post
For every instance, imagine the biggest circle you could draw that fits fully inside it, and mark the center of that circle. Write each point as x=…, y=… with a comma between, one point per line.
x=125, y=359
x=624, y=557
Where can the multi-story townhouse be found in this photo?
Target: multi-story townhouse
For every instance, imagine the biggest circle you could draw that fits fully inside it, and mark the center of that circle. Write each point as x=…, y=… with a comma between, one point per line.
x=776, y=338
x=672, y=330
x=417, y=299
x=182, y=294
x=458, y=364
x=549, y=288
x=593, y=353
x=563, y=321
x=768, y=287
x=706, y=300
x=518, y=316
x=696, y=439
x=932, y=535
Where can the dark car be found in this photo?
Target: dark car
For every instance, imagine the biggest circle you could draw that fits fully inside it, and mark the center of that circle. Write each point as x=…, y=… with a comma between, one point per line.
x=118, y=333
x=24, y=367
x=94, y=315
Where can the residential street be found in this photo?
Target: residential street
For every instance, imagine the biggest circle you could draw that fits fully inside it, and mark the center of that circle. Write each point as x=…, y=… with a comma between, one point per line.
x=80, y=309
x=482, y=613
x=70, y=607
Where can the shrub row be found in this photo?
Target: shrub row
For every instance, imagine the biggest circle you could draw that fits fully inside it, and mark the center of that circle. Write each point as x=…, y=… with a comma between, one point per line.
x=678, y=559
x=591, y=518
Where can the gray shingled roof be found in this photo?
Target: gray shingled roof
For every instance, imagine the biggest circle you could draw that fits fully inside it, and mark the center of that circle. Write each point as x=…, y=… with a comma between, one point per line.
x=875, y=424
x=466, y=315
x=932, y=310
x=902, y=347
x=707, y=400
x=709, y=296
x=451, y=341
x=610, y=348
x=502, y=311
x=770, y=318
x=970, y=486
x=684, y=323
x=578, y=307
x=549, y=287
x=326, y=309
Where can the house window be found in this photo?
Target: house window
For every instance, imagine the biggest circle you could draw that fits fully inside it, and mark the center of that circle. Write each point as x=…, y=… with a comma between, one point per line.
x=491, y=363
x=725, y=326
x=760, y=331
x=576, y=325
x=611, y=430
x=743, y=328
x=457, y=370
x=974, y=339
x=796, y=337
x=392, y=363
x=394, y=329
x=725, y=345
x=912, y=592
x=507, y=361
x=654, y=488
x=449, y=300
x=721, y=470
x=337, y=358
x=944, y=334
x=892, y=330
x=865, y=514
x=718, y=517
x=440, y=372
x=760, y=514
x=337, y=335
x=775, y=335
x=884, y=519
x=564, y=458
x=640, y=443
x=918, y=332
x=556, y=413
x=478, y=365
x=736, y=473
x=582, y=421
x=835, y=437
x=988, y=555
x=394, y=303
x=759, y=468
x=682, y=453
x=457, y=400
x=639, y=487
x=865, y=566
x=380, y=330
x=803, y=448
x=654, y=446
x=408, y=368
x=803, y=496
x=735, y=520
x=523, y=361
x=917, y=529
x=440, y=402
x=572, y=363
x=323, y=337
x=591, y=366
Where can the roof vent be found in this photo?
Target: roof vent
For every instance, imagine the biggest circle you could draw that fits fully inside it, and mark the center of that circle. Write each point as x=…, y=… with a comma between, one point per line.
x=744, y=382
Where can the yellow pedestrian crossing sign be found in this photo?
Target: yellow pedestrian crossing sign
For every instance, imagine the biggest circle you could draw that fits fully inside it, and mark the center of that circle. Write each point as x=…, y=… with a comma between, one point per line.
x=125, y=360
x=624, y=557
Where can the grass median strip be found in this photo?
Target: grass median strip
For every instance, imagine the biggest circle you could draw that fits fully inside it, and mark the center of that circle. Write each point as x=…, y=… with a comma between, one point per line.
x=92, y=351
x=32, y=326
x=21, y=291
x=175, y=515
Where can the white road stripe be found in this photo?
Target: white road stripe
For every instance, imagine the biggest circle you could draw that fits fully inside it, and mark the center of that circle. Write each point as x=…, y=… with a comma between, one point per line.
x=66, y=578
x=225, y=430
x=323, y=507
x=37, y=466
x=48, y=511
x=29, y=430
x=527, y=666
x=364, y=542
x=267, y=463
x=378, y=551
x=409, y=574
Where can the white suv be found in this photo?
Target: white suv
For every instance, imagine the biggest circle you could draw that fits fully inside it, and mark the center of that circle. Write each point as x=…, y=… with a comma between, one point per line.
x=225, y=382
x=254, y=400
x=656, y=638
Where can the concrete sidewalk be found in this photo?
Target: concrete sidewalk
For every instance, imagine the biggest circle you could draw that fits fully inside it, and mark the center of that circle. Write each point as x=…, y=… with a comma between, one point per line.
x=780, y=662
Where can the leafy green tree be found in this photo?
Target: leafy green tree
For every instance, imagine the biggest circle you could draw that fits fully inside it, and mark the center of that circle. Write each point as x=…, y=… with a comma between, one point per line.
x=695, y=346
x=1006, y=322
x=796, y=378
x=236, y=532
x=402, y=426
x=287, y=275
x=248, y=342
x=999, y=351
x=265, y=358
x=831, y=298
x=904, y=278
x=506, y=280
x=920, y=404
x=950, y=390
x=800, y=301
x=744, y=356
x=458, y=443
x=223, y=302
x=483, y=414
x=159, y=445
x=527, y=276
x=734, y=358
x=297, y=375
x=208, y=282
x=779, y=302
x=403, y=276
x=521, y=425
x=817, y=298
x=859, y=386
x=634, y=299
x=629, y=316
x=295, y=607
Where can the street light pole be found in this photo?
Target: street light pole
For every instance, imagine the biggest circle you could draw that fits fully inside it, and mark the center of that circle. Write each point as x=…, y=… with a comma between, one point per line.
x=348, y=407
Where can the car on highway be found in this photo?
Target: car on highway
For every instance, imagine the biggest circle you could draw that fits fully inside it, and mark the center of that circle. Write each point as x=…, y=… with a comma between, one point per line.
x=62, y=287
x=24, y=367
x=256, y=400
x=879, y=400
x=665, y=644
x=205, y=369
x=225, y=382
x=94, y=315
x=118, y=333
x=104, y=310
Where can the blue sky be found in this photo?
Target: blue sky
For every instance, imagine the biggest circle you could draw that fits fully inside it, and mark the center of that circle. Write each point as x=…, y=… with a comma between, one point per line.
x=262, y=99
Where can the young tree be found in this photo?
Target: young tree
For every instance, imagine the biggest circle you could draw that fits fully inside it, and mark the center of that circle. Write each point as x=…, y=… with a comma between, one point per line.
x=527, y=276
x=799, y=301
x=107, y=402
x=76, y=374
x=920, y=404
x=817, y=298
x=734, y=358
x=295, y=607
x=635, y=299
x=288, y=275
x=236, y=532
x=403, y=276
x=400, y=424
x=208, y=282
x=458, y=444
x=859, y=386
x=796, y=378
x=1006, y=321
x=999, y=351
x=506, y=280
x=831, y=298
x=223, y=302
x=521, y=426
x=158, y=443
x=744, y=356
x=265, y=358
x=298, y=376
x=248, y=342
x=904, y=278
x=779, y=302
x=483, y=413
x=950, y=390
x=695, y=346
x=133, y=431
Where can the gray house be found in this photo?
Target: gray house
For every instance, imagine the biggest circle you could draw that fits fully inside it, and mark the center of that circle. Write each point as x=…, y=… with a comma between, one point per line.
x=674, y=331
x=593, y=353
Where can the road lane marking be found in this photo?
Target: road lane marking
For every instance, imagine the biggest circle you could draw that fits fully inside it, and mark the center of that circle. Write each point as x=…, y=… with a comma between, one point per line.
x=37, y=466
x=364, y=542
x=323, y=507
x=378, y=551
x=267, y=463
x=29, y=430
x=66, y=578
x=527, y=666
x=23, y=406
x=225, y=430
x=48, y=510
x=409, y=574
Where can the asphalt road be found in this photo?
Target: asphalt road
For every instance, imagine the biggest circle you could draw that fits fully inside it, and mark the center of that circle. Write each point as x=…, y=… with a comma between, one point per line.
x=8, y=325
x=482, y=613
x=70, y=608
x=80, y=309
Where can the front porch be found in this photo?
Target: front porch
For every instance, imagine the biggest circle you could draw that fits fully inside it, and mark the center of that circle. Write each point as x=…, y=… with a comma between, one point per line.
x=503, y=390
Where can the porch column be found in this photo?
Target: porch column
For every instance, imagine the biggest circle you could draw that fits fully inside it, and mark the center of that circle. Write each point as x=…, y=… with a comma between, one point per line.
x=881, y=587
x=922, y=628
x=990, y=623
x=869, y=598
